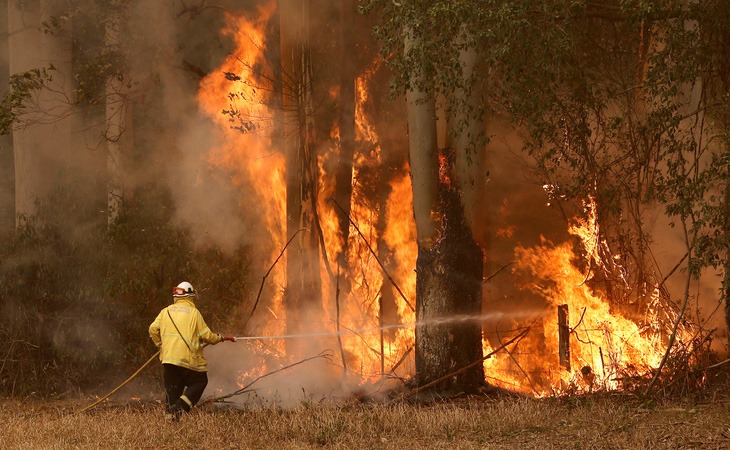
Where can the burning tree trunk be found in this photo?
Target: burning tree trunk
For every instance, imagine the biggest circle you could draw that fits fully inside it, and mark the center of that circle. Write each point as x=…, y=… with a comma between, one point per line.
x=449, y=264
x=343, y=174
x=303, y=288
x=448, y=284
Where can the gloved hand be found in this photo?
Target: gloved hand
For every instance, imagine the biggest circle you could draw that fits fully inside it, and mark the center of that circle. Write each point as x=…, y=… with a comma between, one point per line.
x=232, y=339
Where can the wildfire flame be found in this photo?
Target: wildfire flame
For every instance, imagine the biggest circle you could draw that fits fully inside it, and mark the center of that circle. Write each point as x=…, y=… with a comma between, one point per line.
x=235, y=97
x=605, y=347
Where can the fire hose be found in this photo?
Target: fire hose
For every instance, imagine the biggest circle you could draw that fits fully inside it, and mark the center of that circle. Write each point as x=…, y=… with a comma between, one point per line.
x=295, y=336
x=121, y=385
x=152, y=358
x=231, y=339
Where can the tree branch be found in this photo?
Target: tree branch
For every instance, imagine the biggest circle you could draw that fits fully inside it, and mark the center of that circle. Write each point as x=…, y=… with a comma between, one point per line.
x=673, y=336
x=325, y=354
x=261, y=288
x=462, y=370
x=374, y=255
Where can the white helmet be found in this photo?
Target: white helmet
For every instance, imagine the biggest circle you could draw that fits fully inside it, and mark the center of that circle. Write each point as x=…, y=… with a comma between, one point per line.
x=183, y=289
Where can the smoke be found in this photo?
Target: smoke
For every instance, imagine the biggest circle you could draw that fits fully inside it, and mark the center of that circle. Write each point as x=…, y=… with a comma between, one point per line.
x=219, y=205
x=323, y=378
x=214, y=203
x=207, y=203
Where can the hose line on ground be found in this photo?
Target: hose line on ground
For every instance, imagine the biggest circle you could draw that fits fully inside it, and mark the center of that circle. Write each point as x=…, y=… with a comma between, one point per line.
x=121, y=385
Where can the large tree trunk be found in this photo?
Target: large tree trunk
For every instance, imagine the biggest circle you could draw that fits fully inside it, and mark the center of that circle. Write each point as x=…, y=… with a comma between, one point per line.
x=449, y=264
x=7, y=172
x=303, y=285
x=448, y=285
x=44, y=139
x=464, y=204
x=465, y=133
x=118, y=132
x=343, y=174
x=726, y=278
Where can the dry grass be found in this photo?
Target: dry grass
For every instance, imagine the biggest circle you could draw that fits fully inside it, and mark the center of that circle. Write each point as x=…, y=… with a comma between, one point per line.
x=579, y=422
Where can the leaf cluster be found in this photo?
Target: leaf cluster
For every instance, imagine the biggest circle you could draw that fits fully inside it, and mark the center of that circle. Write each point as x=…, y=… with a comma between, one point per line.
x=22, y=88
x=604, y=93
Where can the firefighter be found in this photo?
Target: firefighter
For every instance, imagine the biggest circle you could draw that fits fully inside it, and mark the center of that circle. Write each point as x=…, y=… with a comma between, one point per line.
x=181, y=333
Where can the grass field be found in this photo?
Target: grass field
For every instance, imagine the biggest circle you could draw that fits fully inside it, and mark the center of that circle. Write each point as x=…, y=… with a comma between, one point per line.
x=591, y=421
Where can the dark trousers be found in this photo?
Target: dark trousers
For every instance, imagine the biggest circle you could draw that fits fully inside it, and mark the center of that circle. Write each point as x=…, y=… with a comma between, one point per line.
x=183, y=384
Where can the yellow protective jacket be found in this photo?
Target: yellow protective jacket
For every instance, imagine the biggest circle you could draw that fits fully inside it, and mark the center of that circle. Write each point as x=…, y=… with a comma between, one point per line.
x=182, y=346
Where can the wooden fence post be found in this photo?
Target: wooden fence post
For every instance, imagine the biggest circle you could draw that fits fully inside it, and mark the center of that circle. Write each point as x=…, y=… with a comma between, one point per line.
x=564, y=337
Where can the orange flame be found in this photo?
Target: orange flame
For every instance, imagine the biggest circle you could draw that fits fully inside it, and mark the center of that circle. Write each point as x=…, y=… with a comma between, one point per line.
x=601, y=340
x=234, y=98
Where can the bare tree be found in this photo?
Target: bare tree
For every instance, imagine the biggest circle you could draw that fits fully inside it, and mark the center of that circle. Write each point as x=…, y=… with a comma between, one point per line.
x=303, y=288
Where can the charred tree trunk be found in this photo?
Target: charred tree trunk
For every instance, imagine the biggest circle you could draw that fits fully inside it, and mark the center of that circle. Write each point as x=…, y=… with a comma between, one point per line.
x=343, y=174
x=449, y=264
x=303, y=290
x=448, y=284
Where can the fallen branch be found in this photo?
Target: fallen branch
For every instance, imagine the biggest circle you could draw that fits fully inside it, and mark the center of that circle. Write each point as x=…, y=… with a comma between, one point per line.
x=714, y=365
x=499, y=339
x=391, y=374
x=263, y=281
x=374, y=254
x=460, y=371
x=325, y=354
x=400, y=361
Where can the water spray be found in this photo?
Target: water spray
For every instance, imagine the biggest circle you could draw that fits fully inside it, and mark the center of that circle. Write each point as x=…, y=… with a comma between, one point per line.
x=431, y=322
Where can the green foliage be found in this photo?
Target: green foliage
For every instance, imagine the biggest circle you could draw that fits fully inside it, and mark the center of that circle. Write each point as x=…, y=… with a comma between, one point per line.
x=22, y=87
x=98, y=56
x=601, y=94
